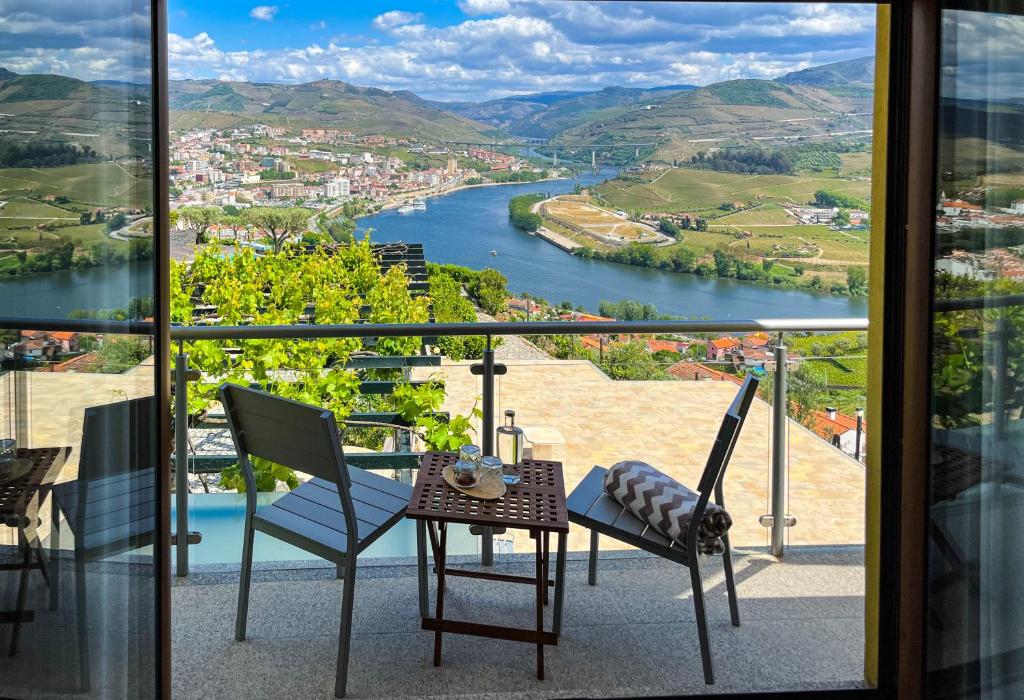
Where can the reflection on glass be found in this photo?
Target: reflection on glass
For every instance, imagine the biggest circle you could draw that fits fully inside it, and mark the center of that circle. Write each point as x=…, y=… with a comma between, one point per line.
x=975, y=620
x=77, y=517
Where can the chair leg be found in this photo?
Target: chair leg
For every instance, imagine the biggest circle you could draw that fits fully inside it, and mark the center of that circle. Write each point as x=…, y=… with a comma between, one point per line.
x=26, y=562
x=345, y=634
x=702, y=620
x=421, y=567
x=81, y=604
x=592, y=567
x=54, y=556
x=730, y=582
x=245, y=581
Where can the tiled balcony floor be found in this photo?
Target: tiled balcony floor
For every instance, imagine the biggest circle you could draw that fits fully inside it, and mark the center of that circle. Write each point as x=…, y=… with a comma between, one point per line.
x=632, y=634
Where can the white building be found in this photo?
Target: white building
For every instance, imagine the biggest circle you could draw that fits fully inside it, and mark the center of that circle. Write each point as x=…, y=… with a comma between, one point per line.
x=1017, y=206
x=339, y=187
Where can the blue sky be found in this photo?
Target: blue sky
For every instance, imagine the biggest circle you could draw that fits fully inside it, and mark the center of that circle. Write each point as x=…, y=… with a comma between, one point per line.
x=440, y=49
x=480, y=49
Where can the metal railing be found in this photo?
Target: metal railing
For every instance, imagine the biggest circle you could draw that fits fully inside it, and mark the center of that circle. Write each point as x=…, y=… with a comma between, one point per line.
x=777, y=520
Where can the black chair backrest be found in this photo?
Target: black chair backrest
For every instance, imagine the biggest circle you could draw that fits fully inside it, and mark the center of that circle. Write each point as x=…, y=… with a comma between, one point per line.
x=295, y=435
x=728, y=432
x=721, y=452
x=119, y=438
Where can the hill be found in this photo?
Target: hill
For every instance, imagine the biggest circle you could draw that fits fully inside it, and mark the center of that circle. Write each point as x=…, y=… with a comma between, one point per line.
x=735, y=113
x=47, y=107
x=859, y=72
x=545, y=114
x=361, y=110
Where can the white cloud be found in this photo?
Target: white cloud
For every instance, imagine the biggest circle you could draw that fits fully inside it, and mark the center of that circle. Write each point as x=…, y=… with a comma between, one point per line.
x=318, y=26
x=484, y=7
x=395, y=18
x=264, y=13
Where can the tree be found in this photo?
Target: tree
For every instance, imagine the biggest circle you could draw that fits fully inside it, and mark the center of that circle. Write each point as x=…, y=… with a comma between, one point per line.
x=199, y=220
x=701, y=225
x=669, y=227
x=857, y=281
x=490, y=291
x=341, y=230
x=277, y=223
x=841, y=218
x=723, y=265
x=631, y=361
x=698, y=351
x=234, y=222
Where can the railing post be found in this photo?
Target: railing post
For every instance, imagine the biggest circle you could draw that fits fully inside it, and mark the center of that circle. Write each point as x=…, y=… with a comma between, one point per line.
x=999, y=361
x=487, y=442
x=181, y=458
x=778, y=486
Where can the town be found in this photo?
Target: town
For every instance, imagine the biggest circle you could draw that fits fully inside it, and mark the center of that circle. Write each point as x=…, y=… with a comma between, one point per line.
x=320, y=168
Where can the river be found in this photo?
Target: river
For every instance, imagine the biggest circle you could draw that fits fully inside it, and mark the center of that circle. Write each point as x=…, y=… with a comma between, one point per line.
x=463, y=228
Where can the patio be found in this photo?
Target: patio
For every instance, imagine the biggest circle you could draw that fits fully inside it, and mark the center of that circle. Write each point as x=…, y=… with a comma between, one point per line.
x=632, y=634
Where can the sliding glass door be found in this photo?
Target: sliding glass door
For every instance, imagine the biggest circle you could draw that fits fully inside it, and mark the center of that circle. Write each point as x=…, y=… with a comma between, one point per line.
x=80, y=500
x=974, y=618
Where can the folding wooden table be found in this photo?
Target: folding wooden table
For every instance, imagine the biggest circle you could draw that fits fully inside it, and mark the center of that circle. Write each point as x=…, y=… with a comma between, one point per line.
x=536, y=504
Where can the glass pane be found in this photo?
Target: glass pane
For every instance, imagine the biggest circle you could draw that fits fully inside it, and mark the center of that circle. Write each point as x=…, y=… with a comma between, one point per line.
x=975, y=632
x=77, y=408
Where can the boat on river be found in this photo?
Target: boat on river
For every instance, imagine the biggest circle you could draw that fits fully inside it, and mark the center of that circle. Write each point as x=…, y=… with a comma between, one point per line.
x=419, y=204
x=406, y=209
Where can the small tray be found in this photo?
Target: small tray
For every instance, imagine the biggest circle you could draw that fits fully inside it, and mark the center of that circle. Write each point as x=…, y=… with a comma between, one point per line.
x=15, y=470
x=491, y=492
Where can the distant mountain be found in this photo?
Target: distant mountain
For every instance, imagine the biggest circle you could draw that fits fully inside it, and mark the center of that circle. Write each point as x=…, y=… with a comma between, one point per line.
x=542, y=115
x=859, y=72
x=58, y=108
x=734, y=113
x=7, y=74
x=362, y=110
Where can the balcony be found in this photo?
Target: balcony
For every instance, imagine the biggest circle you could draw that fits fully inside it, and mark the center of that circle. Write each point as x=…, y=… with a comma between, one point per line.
x=802, y=613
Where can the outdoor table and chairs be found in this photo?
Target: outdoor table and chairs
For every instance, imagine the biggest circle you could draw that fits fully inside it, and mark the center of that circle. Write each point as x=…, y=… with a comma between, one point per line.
x=535, y=504
x=340, y=511
x=24, y=486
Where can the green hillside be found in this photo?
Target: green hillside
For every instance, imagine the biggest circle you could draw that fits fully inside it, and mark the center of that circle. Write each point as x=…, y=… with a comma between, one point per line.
x=324, y=102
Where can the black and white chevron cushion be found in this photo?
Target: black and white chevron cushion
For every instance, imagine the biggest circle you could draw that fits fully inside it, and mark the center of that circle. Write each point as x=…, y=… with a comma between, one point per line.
x=665, y=504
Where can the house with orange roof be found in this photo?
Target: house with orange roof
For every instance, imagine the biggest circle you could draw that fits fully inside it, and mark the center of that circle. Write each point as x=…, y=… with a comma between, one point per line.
x=839, y=429
x=654, y=345
x=690, y=371
x=719, y=348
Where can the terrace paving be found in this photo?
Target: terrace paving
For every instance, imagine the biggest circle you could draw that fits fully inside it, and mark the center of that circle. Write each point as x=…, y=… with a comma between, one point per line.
x=672, y=425
x=632, y=634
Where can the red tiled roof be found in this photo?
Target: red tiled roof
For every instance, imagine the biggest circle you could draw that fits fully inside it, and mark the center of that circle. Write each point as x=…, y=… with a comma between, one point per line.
x=826, y=427
x=689, y=370
x=724, y=343
x=658, y=345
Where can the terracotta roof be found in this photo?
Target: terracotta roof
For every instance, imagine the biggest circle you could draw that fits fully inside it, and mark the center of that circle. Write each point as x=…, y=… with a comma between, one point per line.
x=658, y=345
x=826, y=427
x=724, y=343
x=63, y=335
x=689, y=370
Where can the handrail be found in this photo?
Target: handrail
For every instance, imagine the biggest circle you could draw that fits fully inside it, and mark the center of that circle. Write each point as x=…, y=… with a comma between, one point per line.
x=512, y=328
x=979, y=303
x=381, y=330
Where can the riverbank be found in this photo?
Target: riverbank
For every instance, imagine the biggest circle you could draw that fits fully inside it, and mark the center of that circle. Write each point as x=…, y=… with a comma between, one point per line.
x=395, y=203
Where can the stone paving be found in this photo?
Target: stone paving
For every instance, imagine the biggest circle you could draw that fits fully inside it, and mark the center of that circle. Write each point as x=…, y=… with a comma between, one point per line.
x=672, y=425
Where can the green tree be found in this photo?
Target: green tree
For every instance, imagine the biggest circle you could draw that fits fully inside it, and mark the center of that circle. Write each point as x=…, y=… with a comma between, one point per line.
x=119, y=354
x=199, y=220
x=723, y=264
x=841, y=218
x=857, y=281
x=669, y=227
x=631, y=361
x=490, y=289
x=277, y=223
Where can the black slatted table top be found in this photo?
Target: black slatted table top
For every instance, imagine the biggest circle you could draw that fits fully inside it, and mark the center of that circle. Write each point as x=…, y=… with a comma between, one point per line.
x=16, y=494
x=536, y=503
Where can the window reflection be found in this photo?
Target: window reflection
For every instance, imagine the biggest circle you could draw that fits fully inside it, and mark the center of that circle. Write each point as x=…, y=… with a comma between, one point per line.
x=975, y=632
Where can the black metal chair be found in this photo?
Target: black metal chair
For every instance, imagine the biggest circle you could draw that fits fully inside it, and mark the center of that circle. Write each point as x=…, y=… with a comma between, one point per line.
x=591, y=507
x=336, y=515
